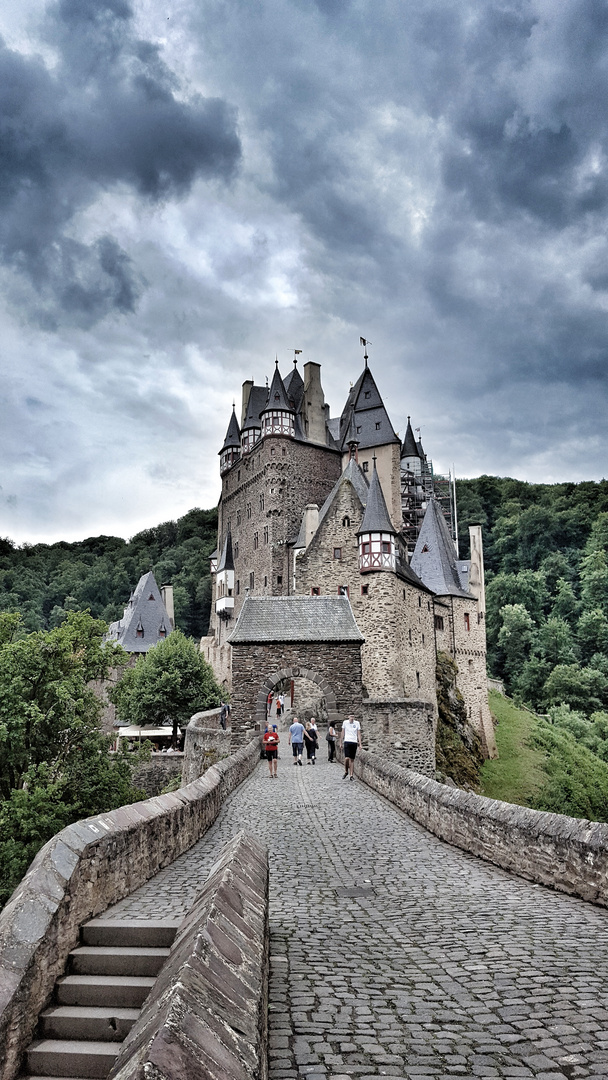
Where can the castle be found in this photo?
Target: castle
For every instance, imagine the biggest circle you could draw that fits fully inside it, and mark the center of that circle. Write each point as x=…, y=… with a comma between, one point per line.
x=336, y=577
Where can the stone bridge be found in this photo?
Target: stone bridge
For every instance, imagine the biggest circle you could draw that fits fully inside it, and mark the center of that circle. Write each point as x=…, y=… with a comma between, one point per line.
x=393, y=953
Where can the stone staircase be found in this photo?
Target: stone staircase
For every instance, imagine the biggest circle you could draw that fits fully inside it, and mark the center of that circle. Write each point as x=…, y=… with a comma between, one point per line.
x=97, y=1001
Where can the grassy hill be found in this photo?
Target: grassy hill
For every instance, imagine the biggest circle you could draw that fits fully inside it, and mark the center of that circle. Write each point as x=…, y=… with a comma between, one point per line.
x=543, y=766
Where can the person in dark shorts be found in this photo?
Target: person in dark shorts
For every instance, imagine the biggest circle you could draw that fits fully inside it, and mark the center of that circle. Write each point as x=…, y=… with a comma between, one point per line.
x=350, y=739
x=271, y=746
x=296, y=738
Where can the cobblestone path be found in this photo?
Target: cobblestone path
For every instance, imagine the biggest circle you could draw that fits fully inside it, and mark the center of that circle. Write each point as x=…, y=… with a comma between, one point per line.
x=393, y=954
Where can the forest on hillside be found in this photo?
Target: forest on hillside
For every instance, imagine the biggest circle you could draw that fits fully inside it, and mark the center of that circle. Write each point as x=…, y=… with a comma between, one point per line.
x=46, y=581
x=546, y=557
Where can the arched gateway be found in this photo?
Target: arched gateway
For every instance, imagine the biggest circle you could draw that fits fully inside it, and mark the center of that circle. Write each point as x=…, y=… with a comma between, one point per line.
x=285, y=637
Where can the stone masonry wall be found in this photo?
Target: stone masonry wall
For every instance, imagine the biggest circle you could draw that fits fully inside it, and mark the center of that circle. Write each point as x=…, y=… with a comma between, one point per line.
x=470, y=656
x=336, y=667
x=403, y=731
x=205, y=743
x=268, y=490
x=83, y=870
x=207, y=1013
x=154, y=775
x=565, y=853
x=395, y=618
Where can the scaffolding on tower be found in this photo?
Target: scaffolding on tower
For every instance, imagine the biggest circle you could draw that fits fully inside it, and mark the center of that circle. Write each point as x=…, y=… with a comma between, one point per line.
x=416, y=491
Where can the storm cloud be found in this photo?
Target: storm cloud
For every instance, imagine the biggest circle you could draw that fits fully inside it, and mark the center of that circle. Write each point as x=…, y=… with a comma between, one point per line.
x=186, y=192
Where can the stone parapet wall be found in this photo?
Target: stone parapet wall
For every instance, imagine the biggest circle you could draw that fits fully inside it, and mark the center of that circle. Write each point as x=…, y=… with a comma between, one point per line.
x=82, y=871
x=565, y=853
x=205, y=744
x=207, y=1013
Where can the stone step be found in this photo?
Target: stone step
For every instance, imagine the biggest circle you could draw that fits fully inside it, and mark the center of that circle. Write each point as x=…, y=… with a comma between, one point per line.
x=103, y=960
x=71, y=1057
x=87, y=1022
x=123, y=991
x=135, y=933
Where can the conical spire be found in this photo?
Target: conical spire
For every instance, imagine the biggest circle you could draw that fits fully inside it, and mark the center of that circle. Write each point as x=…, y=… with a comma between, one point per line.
x=364, y=405
x=434, y=558
x=376, y=517
x=277, y=395
x=233, y=435
x=409, y=448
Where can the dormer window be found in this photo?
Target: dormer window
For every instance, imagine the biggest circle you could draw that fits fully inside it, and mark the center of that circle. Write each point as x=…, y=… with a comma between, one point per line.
x=151, y=596
x=162, y=633
x=139, y=630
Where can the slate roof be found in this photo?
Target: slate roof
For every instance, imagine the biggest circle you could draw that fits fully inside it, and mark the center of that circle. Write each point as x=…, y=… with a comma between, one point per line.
x=294, y=388
x=255, y=405
x=376, y=517
x=233, y=435
x=369, y=412
x=146, y=609
x=410, y=447
x=277, y=395
x=226, y=562
x=295, y=618
x=351, y=473
x=434, y=558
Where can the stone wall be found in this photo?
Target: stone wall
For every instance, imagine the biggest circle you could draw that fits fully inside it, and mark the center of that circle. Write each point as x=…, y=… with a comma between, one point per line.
x=82, y=871
x=154, y=775
x=402, y=730
x=335, y=667
x=207, y=1012
x=565, y=853
x=205, y=744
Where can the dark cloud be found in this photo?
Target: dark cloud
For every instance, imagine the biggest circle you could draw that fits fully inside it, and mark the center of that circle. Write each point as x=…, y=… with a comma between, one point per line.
x=108, y=113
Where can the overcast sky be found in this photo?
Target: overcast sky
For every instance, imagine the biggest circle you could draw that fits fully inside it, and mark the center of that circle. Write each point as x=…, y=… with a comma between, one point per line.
x=189, y=188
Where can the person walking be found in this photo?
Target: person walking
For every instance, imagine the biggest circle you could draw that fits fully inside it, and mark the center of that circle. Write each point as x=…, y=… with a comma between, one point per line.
x=224, y=714
x=331, y=743
x=296, y=739
x=271, y=745
x=310, y=735
x=280, y=701
x=350, y=739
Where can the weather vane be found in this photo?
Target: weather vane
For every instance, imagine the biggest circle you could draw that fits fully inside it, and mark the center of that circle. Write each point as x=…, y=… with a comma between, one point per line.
x=296, y=353
x=364, y=342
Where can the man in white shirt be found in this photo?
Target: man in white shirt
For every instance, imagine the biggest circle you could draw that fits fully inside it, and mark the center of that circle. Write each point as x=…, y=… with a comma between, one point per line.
x=350, y=739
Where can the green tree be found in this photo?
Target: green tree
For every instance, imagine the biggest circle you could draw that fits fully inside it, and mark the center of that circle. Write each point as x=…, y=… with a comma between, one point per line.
x=171, y=681
x=555, y=642
x=594, y=581
x=592, y=633
x=584, y=689
x=565, y=605
x=515, y=639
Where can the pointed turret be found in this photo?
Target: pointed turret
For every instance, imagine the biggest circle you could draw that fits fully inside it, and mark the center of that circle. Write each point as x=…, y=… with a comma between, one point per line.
x=231, y=450
x=434, y=559
x=224, y=604
x=294, y=387
x=145, y=620
x=251, y=433
x=278, y=416
x=376, y=533
x=365, y=407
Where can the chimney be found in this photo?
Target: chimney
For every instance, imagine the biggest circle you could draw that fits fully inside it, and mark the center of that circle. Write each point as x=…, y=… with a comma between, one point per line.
x=166, y=591
x=477, y=584
x=313, y=404
x=311, y=521
x=247, y=385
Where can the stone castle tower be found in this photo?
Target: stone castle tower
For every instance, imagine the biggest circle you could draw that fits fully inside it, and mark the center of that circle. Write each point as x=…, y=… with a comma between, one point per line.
x=340, y=509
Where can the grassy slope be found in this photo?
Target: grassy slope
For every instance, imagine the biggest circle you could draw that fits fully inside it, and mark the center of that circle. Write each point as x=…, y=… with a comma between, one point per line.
x=518, y=774
x=543, y=767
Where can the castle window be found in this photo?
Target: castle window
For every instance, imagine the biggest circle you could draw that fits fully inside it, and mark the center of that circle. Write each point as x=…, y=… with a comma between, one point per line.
x=367, y=394
x=418, y=679
x=423, y=639
x=255, y=541
x=404, y=594
x=337, y=553
x=265, y=581
x=439, y=622
x=272, y=451
x=366, y=547
x=248, y=510
x=345, y=522
x=410, y=634
x=386, y=546
x=238, y=587
x=266, y=534
x=162, y=633
x=279, y=579
x=251, y=580
x=239, y=475
x=378, y=425
x=358, y=431
x=467, y=621
x=419, y=601
x=261, y=502
x=364, y=590
x=365, y=466
x=151, y=596
x=238, y=517
x=283, y=451
x=342, y=590
x=236, y=550
x=139, y=632
x=428, y=605
x=315, y=591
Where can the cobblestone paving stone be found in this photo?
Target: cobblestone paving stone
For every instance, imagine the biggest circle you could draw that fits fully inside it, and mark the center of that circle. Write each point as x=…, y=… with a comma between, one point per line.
x=439, y=966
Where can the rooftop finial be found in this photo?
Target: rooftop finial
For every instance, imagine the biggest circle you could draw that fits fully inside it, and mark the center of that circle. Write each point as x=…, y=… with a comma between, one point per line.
x=374, y=461
x=364, y=342
x=276, y=359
